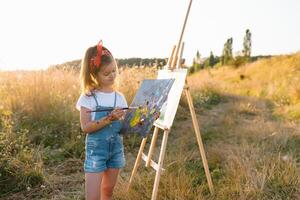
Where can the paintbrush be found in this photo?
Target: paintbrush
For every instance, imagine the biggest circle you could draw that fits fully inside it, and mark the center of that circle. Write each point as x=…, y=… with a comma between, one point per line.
x=111, y=109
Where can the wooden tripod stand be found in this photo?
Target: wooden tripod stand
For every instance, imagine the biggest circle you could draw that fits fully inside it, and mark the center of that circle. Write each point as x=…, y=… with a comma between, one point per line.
x=158, y=167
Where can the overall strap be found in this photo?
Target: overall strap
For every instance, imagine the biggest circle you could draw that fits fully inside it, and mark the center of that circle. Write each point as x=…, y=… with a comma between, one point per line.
x=115, y=99
x=95, y=98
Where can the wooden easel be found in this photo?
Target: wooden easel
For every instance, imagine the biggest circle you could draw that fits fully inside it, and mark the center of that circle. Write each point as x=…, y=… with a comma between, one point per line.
x=158, y=167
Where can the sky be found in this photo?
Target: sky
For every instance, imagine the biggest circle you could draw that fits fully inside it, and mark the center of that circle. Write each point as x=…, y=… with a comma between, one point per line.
x=35, y=34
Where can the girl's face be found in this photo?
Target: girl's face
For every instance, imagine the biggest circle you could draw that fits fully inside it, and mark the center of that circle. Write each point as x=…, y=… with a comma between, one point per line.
x=107, y=75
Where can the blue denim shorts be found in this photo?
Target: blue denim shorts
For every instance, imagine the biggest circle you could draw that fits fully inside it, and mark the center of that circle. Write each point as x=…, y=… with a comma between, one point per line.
x=104, y=153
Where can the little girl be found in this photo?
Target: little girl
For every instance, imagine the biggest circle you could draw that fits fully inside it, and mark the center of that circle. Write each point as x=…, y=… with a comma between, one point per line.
x=104, y=154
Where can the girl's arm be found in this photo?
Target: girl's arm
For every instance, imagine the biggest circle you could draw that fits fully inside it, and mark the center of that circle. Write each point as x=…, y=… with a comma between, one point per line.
x=88, y=125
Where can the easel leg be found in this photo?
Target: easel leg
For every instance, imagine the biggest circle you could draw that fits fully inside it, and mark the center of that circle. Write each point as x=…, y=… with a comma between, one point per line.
x=160, y=164
x=151, y=149
x=137, y=161
x=199, y=140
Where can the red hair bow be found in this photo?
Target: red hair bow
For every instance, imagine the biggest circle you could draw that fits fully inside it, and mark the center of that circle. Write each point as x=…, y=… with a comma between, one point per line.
x=96, y=61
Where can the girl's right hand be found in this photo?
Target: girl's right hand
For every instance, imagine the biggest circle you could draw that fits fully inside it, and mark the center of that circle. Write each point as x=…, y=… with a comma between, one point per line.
x=116, y=114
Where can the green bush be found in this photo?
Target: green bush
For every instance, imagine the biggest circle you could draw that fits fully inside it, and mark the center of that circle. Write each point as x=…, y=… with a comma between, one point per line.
x=20, y=163
x=207, y=97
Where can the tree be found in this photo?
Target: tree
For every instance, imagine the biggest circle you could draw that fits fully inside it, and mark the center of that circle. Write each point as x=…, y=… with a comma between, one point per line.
x=247, y=45
x=211, y=59
x=197, y=61
x=227, y=52
x=197, y=58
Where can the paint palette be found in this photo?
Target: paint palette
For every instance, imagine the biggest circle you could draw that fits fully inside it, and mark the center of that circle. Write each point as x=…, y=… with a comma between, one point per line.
x=149, y=99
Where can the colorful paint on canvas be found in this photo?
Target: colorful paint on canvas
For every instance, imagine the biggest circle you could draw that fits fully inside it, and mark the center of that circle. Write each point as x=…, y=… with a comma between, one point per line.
x=149, y=99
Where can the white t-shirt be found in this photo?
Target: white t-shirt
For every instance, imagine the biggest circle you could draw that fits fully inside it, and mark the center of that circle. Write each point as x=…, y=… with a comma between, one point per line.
x=103, y=98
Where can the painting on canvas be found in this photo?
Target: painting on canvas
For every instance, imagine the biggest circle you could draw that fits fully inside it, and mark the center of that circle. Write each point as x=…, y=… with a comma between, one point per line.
x=147, y=102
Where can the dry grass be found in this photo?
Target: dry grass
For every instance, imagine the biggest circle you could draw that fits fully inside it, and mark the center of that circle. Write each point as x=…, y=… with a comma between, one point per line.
x=252, y=154
x=276, y=79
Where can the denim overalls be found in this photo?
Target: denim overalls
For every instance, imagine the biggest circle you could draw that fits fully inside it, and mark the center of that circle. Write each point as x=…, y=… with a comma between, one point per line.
x=104, y=148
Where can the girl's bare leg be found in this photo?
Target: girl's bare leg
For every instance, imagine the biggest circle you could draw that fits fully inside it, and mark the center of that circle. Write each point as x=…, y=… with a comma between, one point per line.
x=109, y=181
x=93, y=185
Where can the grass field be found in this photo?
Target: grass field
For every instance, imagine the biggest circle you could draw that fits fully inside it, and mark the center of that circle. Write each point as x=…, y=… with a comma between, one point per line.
x=250, y=126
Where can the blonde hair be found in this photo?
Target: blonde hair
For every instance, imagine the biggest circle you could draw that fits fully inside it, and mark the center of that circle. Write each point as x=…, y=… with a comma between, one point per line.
x=88, y=77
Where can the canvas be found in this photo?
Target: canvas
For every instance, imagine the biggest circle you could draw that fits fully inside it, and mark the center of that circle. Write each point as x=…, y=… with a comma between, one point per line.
x=168, y=110
x=149, y=99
